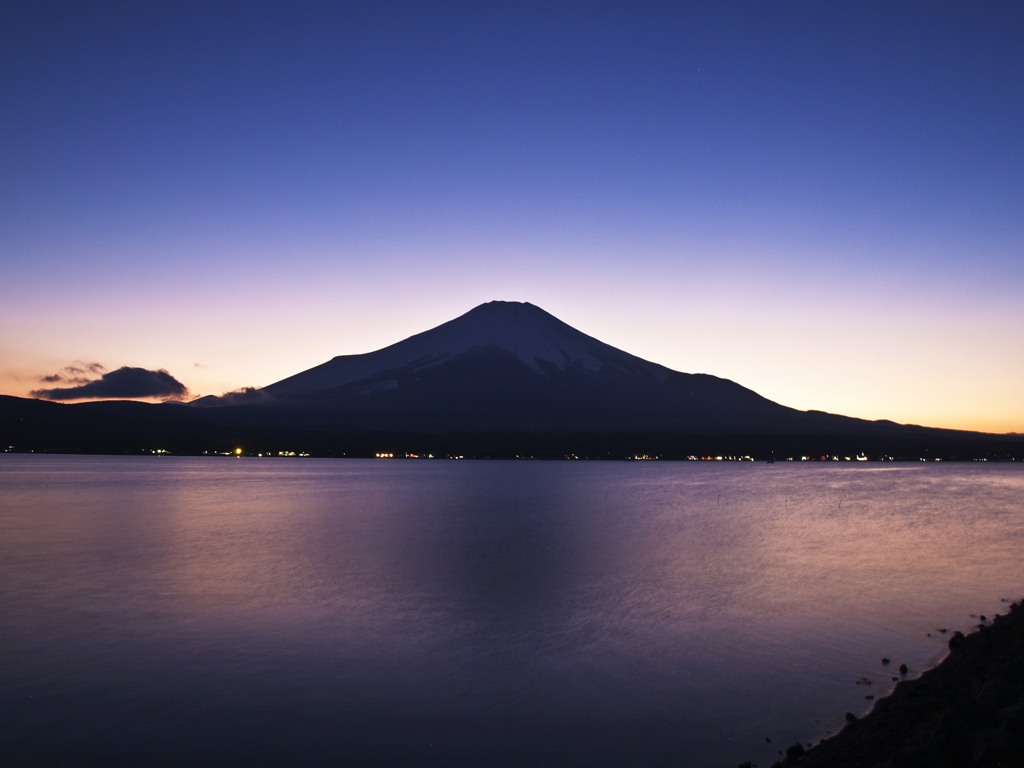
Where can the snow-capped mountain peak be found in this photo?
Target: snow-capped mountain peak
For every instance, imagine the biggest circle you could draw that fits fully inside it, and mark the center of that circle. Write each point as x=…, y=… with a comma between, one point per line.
x=536, y=338
x=526, y=331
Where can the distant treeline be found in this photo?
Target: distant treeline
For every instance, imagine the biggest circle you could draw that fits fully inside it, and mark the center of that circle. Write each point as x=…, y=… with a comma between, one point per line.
x=136, y=428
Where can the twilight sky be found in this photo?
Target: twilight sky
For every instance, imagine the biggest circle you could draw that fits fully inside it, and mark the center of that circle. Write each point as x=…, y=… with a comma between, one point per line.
x=821, y=201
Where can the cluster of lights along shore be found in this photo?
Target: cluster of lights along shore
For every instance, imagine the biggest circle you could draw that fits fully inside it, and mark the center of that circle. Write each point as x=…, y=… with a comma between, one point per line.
x=241, y=452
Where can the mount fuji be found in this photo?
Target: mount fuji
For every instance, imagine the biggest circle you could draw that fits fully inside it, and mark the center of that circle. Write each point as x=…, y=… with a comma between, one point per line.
x=511, y=366
x=505, y=379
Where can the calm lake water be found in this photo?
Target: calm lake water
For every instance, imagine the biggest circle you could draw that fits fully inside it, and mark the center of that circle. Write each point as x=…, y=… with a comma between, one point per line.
x=173, y=611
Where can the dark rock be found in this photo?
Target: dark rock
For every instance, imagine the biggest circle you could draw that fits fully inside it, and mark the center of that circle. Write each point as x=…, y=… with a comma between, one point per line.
x=850, y=717
x=996, y=694
x=956, y=641
x=911, y=758
x=796, y=750
x=969, y=713
x=885, y=660
x=992, y=747
x=904, y=669
x=1011, y=719
x=746, y=764
x=1014, y=672
x=951, y=730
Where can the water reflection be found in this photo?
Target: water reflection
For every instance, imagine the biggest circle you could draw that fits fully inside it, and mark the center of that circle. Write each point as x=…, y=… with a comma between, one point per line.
x=396, y=613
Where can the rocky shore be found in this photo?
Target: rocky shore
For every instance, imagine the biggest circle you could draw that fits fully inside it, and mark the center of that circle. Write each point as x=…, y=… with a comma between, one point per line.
x=968, y=711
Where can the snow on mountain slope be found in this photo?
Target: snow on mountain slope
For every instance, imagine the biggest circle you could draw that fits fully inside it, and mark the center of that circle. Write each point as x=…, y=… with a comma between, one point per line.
x=536, y=338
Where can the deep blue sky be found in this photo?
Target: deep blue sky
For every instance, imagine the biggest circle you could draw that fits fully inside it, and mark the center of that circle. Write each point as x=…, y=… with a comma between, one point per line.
x=823, y=202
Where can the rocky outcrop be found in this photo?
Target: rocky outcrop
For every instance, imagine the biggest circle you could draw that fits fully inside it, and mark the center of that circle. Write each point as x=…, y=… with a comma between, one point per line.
x=968, y=711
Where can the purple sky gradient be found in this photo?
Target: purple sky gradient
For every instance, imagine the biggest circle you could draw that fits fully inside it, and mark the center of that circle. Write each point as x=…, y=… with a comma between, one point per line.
x=822, y=202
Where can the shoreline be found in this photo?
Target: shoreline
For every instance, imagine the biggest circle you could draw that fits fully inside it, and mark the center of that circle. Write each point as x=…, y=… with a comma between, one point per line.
x=968, y=710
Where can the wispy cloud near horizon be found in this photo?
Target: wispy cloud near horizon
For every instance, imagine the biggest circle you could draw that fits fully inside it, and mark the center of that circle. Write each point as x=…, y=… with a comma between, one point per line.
x=76, y=373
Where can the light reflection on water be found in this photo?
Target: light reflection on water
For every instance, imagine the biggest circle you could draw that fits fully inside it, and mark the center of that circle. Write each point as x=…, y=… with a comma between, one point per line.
x=158, y=611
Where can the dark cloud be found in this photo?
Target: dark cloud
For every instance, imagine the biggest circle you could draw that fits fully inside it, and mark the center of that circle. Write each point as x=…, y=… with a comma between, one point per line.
x=245, y=396
x=124, y=383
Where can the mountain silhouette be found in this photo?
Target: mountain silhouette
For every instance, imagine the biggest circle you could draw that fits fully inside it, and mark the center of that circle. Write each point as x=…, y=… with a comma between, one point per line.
x=512, y=366
x=506, y=378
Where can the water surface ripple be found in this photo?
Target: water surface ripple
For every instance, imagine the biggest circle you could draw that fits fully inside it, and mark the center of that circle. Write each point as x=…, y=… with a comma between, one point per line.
x=170, y=611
